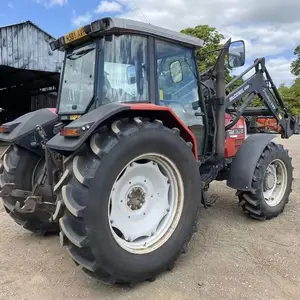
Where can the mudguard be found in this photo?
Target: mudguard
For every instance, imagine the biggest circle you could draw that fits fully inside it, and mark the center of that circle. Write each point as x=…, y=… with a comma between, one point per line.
x=243, y=165
x=22, y=129
x=89, y=122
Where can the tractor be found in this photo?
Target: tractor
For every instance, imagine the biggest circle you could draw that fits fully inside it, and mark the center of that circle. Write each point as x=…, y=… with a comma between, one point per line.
x=121, y=167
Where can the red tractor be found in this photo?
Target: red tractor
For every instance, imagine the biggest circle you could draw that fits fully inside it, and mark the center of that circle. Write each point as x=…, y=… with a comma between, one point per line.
x=120, y=168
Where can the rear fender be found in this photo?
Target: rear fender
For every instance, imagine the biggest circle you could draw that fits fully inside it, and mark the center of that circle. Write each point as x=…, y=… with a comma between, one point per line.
x=170, y=119
x=22, y=130
x=105, y=114
x=243, y=164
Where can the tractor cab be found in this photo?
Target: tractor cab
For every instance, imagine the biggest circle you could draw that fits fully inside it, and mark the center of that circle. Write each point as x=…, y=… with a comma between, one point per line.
x=107, y=62
x=111, y=61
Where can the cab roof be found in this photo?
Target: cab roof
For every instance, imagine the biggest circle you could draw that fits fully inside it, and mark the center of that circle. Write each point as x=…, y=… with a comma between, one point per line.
x=136, y=26
x=111, y=25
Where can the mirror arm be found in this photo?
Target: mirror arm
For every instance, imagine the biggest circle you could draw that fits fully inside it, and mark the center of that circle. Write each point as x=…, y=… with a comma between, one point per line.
x=201, y=56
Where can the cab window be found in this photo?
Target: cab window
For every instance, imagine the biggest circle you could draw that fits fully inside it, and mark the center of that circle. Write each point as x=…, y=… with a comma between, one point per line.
x=177, y=81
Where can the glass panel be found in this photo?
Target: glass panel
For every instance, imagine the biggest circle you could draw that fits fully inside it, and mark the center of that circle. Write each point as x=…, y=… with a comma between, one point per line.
x=125, y=71
x=78, y=80
x=177, y=81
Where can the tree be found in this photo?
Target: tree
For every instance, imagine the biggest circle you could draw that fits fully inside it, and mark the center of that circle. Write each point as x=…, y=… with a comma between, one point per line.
x=212, y=42
x=291, y=96
x=295, y=65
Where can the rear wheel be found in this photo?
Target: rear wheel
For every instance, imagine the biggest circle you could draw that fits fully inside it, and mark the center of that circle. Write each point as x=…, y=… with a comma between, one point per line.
x=131, y=201
x=22, y=168
x=272, y=183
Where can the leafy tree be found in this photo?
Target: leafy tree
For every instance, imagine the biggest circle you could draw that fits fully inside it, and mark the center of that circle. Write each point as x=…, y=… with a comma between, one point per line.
x=212, y=42
x=295, y=65
x=291, y=96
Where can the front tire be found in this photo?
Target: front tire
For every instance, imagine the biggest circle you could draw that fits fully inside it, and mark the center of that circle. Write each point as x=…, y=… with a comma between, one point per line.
x=126, y=167
x=272, y=184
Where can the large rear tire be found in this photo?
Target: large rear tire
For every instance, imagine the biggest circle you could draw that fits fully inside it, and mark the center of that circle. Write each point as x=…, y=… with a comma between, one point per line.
x=132, y=200
x=271, y=183
x=18, y=167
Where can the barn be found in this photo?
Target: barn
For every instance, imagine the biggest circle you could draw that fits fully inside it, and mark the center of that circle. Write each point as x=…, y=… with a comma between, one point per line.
x=29, y=70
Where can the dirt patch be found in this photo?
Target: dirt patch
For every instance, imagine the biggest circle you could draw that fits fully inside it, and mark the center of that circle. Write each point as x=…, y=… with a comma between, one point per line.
x=230, y=257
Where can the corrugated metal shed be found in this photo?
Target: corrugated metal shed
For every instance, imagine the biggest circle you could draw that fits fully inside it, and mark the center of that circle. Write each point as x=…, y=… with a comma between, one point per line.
x=26, y=46
x=29, y=69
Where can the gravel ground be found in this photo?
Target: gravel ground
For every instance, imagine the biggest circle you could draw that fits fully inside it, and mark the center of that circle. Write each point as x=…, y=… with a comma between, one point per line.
x=230, y=257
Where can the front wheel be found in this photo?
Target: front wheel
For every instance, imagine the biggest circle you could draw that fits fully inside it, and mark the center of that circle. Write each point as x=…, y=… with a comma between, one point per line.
x=132, y=202
x=272, y=183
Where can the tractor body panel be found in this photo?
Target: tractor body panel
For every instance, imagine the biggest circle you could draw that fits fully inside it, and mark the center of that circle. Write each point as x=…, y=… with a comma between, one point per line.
x=234, y=137
x=22, y=130
x=244, y=163
x=88, y=123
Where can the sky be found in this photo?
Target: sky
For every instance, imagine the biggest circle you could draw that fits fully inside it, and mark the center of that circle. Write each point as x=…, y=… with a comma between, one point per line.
x=270, y=29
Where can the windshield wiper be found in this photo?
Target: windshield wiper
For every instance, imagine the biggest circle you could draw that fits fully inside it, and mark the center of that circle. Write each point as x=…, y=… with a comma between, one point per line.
x=79, y=53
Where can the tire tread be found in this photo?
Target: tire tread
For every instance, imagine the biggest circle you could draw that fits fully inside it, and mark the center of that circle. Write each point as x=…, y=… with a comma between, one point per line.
x=100, y=144
x=251, y=202
x=11, y=159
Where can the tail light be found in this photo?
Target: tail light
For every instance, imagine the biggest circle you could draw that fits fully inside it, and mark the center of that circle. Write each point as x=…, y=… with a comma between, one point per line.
x=4, y=129
x=8, y=128
x=70, y=132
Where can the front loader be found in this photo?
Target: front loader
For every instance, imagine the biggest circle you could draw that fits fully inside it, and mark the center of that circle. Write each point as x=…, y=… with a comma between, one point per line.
x=120, y=168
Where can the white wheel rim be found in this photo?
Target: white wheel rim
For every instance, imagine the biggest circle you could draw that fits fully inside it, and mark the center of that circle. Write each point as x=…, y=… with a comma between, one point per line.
x=146, y=203
x=275, y=182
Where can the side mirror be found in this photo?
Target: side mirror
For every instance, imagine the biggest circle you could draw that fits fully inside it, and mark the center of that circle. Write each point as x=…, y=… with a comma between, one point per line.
x=131, y=75
x=236, y=54
x=176, y=71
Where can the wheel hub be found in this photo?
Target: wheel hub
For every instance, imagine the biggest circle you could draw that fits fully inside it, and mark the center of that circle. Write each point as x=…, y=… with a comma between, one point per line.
x=136, y=198
x=269, y=181
x=274, y=183
x=146, y=201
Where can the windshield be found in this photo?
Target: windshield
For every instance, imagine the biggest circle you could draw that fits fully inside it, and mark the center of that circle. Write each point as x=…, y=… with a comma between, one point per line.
x=125, y=69
x=78, y=80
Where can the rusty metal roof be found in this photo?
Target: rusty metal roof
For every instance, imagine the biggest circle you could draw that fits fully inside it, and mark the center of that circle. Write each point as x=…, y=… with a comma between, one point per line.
x=26, y=46
x=31, y=23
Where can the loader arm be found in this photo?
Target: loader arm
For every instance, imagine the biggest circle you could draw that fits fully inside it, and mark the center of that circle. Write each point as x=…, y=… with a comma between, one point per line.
x=260, y=84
